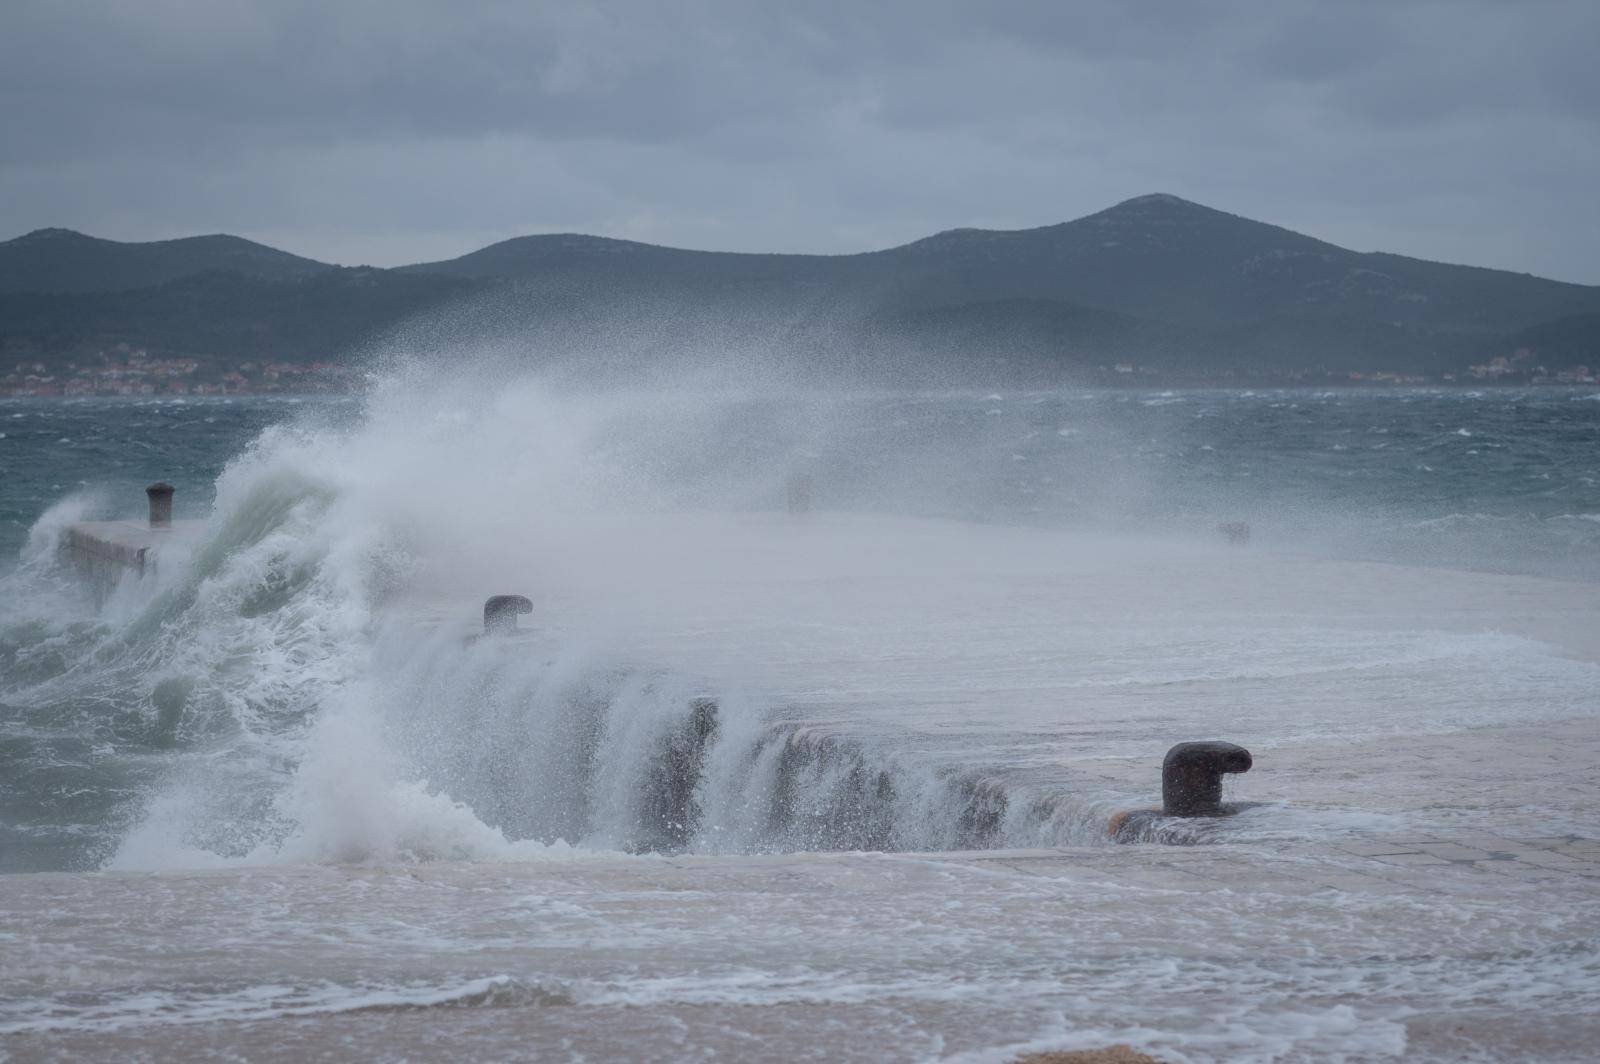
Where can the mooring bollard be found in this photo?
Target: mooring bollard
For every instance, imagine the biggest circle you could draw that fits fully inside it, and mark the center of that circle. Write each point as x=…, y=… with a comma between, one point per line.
x=799, y=494
x=160, y=495
x=1237, y=532
x=500, y=612
x=1191, y=786
x=1191, y=777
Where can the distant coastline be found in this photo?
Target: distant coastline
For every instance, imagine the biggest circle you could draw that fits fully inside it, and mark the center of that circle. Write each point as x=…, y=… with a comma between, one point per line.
x=180, y=378
x=1155, y=289
x=134, y=373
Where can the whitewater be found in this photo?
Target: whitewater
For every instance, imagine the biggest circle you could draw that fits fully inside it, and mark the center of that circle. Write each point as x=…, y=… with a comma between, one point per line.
x=829, y=783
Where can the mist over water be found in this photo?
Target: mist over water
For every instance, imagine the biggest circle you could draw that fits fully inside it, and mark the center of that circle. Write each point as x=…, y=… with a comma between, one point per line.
x=1501, y=479
x=302, y=681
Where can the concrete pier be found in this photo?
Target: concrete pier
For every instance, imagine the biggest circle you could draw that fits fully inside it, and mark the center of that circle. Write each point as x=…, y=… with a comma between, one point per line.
x=103, y=552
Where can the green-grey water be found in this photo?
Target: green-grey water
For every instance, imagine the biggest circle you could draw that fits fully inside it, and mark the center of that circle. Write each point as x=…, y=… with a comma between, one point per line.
x=104, y=709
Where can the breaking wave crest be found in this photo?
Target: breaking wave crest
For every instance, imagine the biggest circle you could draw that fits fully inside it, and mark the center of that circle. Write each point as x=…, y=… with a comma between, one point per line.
x=303, y=675
x=280, y=689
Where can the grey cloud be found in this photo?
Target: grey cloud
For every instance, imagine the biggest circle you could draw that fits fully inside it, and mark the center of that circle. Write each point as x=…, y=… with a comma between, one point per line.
x=355, y=130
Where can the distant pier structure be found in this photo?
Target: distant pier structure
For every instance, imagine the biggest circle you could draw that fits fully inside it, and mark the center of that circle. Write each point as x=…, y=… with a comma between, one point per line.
x=103, y=552
x=1235, y=532
x=798, y=491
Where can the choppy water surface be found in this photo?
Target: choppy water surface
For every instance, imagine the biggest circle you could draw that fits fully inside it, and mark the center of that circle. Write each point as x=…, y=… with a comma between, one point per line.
x=209, y=714
x=1000, y=612
x=1503, y=479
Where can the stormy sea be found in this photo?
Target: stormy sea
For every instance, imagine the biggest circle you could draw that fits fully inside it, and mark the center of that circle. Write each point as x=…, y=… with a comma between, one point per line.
x=815, y=731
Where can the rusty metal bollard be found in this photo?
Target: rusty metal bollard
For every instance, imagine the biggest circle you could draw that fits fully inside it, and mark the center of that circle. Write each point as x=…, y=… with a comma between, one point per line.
x=1191, y=777
x=500, y=612
x=1191, y=786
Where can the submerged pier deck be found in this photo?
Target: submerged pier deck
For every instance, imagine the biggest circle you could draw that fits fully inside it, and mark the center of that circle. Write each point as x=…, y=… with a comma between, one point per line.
x=1437, y=949
x=1048, y=660
x=1418, y=878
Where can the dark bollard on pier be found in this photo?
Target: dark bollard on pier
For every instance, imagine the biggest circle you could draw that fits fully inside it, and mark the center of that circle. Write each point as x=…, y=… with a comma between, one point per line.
x=1191, y=777
x=160, y=496
x=1191, y=788
x=500, y=612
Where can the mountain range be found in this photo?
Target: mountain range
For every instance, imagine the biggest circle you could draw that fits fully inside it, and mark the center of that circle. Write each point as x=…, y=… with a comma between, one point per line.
x=1155, y=281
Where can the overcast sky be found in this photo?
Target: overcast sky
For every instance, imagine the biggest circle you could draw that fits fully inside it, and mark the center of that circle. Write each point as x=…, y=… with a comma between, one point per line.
x=390, y=131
